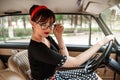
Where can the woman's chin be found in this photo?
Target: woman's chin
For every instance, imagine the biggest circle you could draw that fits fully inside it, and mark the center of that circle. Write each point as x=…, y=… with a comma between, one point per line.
x=46, y=35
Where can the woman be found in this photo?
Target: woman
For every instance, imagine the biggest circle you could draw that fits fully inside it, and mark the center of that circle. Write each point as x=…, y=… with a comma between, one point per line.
x=45, y=55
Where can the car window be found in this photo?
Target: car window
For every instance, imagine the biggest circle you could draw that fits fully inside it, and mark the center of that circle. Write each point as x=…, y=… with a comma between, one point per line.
x=112, y=19
x=80, y=29
x=15, y=28
x=76, y=29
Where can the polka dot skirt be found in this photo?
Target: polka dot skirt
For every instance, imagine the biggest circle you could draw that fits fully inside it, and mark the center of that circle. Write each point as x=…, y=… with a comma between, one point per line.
x=77, y=74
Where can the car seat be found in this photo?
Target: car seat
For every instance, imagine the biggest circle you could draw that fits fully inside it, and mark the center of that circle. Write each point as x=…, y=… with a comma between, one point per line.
x=19, y=63
x=10, y=75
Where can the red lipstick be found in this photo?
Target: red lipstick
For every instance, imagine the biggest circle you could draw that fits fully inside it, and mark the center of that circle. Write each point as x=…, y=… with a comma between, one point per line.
x=46, y=33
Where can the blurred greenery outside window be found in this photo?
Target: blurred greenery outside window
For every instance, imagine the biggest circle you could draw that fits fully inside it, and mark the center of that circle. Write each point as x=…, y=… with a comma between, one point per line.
x=76, y=28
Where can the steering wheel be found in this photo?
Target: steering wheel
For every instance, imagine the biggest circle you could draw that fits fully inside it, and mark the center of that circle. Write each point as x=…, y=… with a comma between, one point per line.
x=93, y=63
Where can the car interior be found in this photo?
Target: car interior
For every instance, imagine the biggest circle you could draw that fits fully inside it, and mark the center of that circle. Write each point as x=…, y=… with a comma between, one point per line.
x=85, y=23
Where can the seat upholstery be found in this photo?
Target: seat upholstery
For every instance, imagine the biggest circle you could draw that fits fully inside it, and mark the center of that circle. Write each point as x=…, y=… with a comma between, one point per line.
x=19, y=63
x=10, y=75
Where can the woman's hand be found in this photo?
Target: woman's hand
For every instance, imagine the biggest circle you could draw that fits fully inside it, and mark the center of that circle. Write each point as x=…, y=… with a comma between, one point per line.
x=58, y=30
x=110, y=37
x=107, y=39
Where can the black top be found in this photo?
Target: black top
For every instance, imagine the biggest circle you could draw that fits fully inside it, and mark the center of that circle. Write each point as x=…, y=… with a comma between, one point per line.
x=44, y=60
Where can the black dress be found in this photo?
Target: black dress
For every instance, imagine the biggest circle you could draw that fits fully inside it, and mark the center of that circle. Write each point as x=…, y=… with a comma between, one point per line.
x=44, y=60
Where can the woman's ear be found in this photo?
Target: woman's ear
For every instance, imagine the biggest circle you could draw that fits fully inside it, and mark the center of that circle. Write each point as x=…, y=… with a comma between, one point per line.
x=32, y=23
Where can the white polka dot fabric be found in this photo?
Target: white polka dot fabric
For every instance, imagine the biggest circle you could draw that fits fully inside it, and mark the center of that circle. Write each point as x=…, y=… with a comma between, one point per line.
x=77, y=74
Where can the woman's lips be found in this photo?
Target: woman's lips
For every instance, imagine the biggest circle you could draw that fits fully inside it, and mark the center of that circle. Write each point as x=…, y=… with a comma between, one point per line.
x=46, y=33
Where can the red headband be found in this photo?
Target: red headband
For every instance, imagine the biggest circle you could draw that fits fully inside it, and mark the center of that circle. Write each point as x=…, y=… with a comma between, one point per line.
x=37, y=9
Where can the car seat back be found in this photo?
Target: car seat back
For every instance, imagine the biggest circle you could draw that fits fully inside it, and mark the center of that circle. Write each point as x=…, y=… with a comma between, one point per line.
x=19, y=63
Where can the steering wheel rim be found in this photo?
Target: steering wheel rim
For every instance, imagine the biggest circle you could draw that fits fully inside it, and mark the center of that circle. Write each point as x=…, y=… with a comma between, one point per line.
x=94, y=62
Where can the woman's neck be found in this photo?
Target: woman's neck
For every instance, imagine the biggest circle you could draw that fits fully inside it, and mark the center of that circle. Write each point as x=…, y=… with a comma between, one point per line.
x=41, y=39
x=38, y=38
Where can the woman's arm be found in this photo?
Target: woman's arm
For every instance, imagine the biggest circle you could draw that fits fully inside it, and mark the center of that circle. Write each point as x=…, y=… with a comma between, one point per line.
x=83, y=57
x=58, y=31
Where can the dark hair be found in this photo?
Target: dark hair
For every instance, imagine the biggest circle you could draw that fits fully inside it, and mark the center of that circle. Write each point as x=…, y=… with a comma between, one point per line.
x=42, y=15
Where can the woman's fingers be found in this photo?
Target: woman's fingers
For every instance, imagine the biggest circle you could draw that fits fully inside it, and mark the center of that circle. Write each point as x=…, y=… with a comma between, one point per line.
x=58, y=27
x=111, y=37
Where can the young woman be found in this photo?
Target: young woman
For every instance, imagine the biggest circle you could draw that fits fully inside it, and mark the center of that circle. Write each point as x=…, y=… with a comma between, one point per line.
x=45, y=55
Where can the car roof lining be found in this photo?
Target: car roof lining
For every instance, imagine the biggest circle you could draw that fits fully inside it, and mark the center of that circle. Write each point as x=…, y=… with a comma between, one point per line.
x=58, y=6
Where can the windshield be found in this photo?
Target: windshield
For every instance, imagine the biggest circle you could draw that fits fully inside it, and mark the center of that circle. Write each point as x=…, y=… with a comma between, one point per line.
x=76, y=29
x=112, y=19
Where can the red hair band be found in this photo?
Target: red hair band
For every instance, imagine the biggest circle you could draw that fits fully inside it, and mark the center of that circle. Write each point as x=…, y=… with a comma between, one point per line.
x=37, y=9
